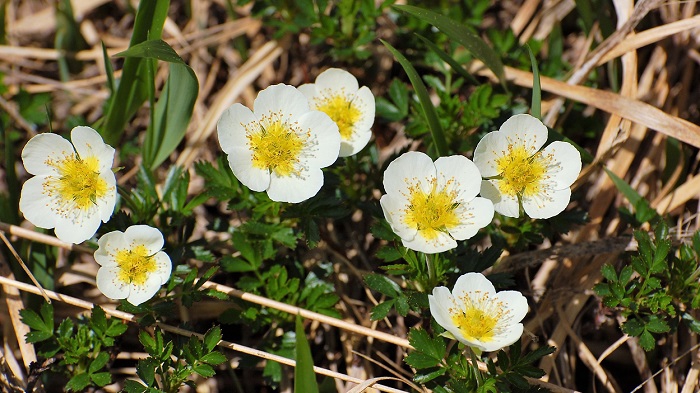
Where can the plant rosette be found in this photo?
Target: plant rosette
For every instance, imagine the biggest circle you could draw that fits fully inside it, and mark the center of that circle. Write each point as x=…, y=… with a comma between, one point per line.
x=517, y=172
x=478, y=316
x=73, y=187
x=280, y=146
x=432, y=205
x=133, y=267
x=337, y=94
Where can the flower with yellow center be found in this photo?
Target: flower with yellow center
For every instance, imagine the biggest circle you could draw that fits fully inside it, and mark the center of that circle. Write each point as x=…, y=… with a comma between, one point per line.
x=518, y=172
x=337, y=94
x=133, y=267
x=431, y=205
x=476, y=315
x=73, y=188
x=280, y=146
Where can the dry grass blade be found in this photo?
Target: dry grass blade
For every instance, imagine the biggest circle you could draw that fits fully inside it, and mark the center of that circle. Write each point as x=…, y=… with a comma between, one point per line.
x=369, y=383
x=24, y=267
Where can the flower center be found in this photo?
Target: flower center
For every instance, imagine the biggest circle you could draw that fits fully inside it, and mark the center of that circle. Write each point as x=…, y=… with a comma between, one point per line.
x=79, y=181
x=135, y=265
x=276, y=147
x=342, y=112
x=475, y=324
x=520, y=172
x=431, y=212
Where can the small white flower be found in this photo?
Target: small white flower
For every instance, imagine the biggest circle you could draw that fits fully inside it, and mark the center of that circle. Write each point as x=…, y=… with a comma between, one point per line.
x=478, y=316
x=73, y=187
x=280, y=146
x=337, y=94
x=133, y=265
x=517, y=171
x=431, y=205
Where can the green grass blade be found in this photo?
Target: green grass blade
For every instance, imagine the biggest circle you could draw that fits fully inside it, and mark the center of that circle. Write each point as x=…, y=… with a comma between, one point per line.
x=132, y=90
x=109, y=70
x=536, y=107
x=448, y=59
x=172, y=112
x=436, y=130
x=472, y=42
x=304, y=376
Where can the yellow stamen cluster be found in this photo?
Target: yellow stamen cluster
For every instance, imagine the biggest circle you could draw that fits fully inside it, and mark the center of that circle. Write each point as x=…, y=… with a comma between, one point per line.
x=521, y=173
x=135, y=265
x=78, y=184
x=342, y=112
x=276, y=147
x=431, y=212
x=479, y=319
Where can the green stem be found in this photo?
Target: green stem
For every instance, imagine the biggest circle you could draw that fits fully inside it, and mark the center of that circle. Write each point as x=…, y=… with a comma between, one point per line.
x=431, y=269
x=475, y=365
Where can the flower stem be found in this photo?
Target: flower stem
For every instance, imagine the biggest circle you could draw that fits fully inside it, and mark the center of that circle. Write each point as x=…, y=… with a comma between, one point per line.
x=475, y=365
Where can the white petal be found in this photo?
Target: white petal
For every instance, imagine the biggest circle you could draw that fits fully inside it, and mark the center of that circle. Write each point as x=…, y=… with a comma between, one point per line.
x=409, y=168
x=547, y=204
x=78, y=227
x=354, y=146
x=163, y=267
x=504, y=204
x=337, y=80
x=240, y=160
x=295, y=188
x=472, y=284
x=393, y=208
x=440, y=303
x=144, y=235
x=564, y=164
x=364, y=102
x=490, y=148
x=231, y=127
x=325, y=139
x=474, y=215
x=525, y=130
x=88, y=143
x=144, y=292
x=309, y=91
x=35, y=205
x=108, y=245
x=110, y=285
x=283, y=99
x=442, y=242
x=516, y=303
x=511, y=335
x=458, y=173
x=45, y=147
x=105, y=205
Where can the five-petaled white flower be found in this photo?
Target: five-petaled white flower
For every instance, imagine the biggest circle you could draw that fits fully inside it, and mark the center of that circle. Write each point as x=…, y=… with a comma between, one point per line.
x=478, y=316
x=280, y=146
x=133, y=265
x=517, y=171
x=431, y=205
x=337, y=94
x=73, y=187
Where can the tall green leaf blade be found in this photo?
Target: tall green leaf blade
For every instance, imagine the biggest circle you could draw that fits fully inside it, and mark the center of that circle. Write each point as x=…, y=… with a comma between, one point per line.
x=448, y=59
x=304, y=376
x=132, y=90
x=436, y=130
x=536, y=107
x=473, y=43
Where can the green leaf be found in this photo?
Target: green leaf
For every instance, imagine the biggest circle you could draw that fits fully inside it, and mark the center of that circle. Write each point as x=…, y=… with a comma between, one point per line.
x=304, y=376
x=146, y=370
x=36, y=336
x=634, y=327
x=382, y=284
x=423, y=378
x=116, y=328
x=211, y=338
x=461, y=34
x=692, y=323
x=434, y=125
x=381, y=310
x=399, y=95
x=78, y=382
x=609, y=272
x=536, y=107
x=98, y=319
x=131, y=386
x=204, y=370
x=132, y=91
x=101, y=379
x=420, y=360
x=448, y=59
x=657, y=325
x=214, y=358
x=630, y=193
x=421, y=341
x=99, y=362
x=647, y=341
x=33, y=320
x=148, y=342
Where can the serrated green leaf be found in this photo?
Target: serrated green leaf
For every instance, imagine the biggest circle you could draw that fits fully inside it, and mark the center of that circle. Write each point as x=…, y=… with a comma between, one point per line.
x=101, y=379
x=633, y=326
x=100, y=361
x=145, y=369
x=148, y=342
x=381, y=310
x=304, y=375
x=420, y=360
x=211, y=338
x=204, y=370
x=214, y=358
x=116, y=328
x=657, y=325
x=131, y=386
x=421, y=341
x=33, y=320
x=427, y=377
x=609, y=272
x=98, y=319
x=38, y=336
x=78, y=382
x=382, y=284
x=647, y=341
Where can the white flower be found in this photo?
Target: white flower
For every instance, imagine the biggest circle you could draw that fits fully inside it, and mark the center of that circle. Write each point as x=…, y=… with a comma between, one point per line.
x=336, y=93
x=478, y=316
x=431, y=205
x=517, y=171
x=133, y=265
x=281, y=146
x=73, y=188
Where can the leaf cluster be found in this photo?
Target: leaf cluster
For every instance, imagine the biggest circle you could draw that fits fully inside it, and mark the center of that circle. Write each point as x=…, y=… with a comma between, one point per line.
x=83, y=346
